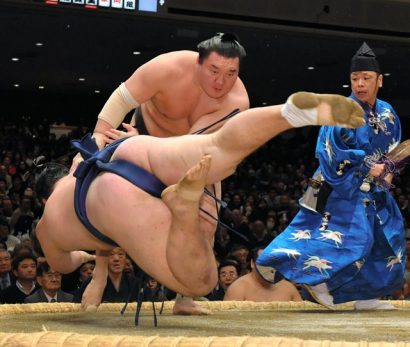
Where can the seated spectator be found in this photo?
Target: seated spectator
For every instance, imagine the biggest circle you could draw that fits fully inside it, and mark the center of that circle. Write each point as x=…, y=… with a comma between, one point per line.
x=73, y=282
x=223, y=242
x=22, y=218
x=129, y=266
x=3, y=188
x=25, y=270
x=153, y=291
x=119, y=284
x=6, y=276
x=6, y=207
x=252, y=287
x=259, y=236
x=22, y=248
x=50, y=283
x=228, y=272
x=10, y=240
x=240, y=252
x=5, y=175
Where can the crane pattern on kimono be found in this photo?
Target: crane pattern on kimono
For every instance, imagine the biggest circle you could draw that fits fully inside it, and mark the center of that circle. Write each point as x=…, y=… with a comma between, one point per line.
x=394, y=259
x=291, y=253
x=301, y=235
x=320, y=264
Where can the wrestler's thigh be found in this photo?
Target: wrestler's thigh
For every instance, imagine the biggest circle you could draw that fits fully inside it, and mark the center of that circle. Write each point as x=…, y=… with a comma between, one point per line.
x=136, y=221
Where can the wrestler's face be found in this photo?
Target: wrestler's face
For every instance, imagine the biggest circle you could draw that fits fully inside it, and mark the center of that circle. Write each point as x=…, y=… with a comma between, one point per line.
x=365, y=85
x=218, y=74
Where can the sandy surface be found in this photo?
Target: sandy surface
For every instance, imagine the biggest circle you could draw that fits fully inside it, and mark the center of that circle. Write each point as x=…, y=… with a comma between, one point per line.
x=392, y=326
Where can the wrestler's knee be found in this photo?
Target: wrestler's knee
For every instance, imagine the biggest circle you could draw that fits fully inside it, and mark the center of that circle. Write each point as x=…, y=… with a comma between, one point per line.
x=202, y=286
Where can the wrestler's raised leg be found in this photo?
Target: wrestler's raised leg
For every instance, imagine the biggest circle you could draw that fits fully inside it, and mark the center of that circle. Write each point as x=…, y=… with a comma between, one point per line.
x=183, y=201
x=188, y=250
x=325, y=109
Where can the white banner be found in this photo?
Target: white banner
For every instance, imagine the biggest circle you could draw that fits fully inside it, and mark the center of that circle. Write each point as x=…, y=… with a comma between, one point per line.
x=116, y=3
x=104, y=3
x=91, y=2
x=80, y=2
x=129, y=4
x=66, y=1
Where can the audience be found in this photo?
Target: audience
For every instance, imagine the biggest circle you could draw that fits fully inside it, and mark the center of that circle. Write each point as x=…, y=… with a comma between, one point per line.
x=119, y=284
x=10, y=240
x=228, y=272
x=50, y=287
x=6, y=277
x=252, y=286
x=261, y=199
x=25, y=270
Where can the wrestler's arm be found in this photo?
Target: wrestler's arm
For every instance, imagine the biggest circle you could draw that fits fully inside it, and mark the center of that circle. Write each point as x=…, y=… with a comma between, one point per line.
x=93, y=293
x=143, y=84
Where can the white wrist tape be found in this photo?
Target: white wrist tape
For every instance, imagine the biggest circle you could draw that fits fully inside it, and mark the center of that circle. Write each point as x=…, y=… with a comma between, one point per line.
x=298, y=117
x=117, y=106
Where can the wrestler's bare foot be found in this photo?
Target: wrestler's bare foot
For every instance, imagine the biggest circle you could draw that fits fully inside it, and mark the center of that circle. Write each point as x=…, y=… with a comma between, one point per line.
x=186, y=306
x=329, y=109
x=191, y=186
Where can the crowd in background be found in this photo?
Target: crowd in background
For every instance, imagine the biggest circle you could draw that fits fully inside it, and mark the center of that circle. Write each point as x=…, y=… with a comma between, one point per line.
x=261, y=199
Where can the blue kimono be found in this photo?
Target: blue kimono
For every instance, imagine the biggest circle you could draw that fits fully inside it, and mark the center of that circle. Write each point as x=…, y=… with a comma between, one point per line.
x=349, y=232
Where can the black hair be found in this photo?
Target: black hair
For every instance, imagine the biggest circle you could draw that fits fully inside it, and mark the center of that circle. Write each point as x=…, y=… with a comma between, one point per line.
x=51, y=173
x=3, y=221
x=253, y=254
x=225, y=44
x=3, y=247
x=17, y=260
x=42, y=268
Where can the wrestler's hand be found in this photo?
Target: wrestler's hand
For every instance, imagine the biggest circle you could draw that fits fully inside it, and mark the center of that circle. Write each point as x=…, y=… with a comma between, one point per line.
x=377, y=170
x=76, y=161
x=114, y=134
x=92, y=295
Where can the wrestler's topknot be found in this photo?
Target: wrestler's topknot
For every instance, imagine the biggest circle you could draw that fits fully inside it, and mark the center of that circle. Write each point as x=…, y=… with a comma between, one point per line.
x=225, y=44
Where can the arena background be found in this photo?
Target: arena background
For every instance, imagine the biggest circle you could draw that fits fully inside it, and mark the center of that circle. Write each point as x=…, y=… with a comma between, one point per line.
x=284, y=39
